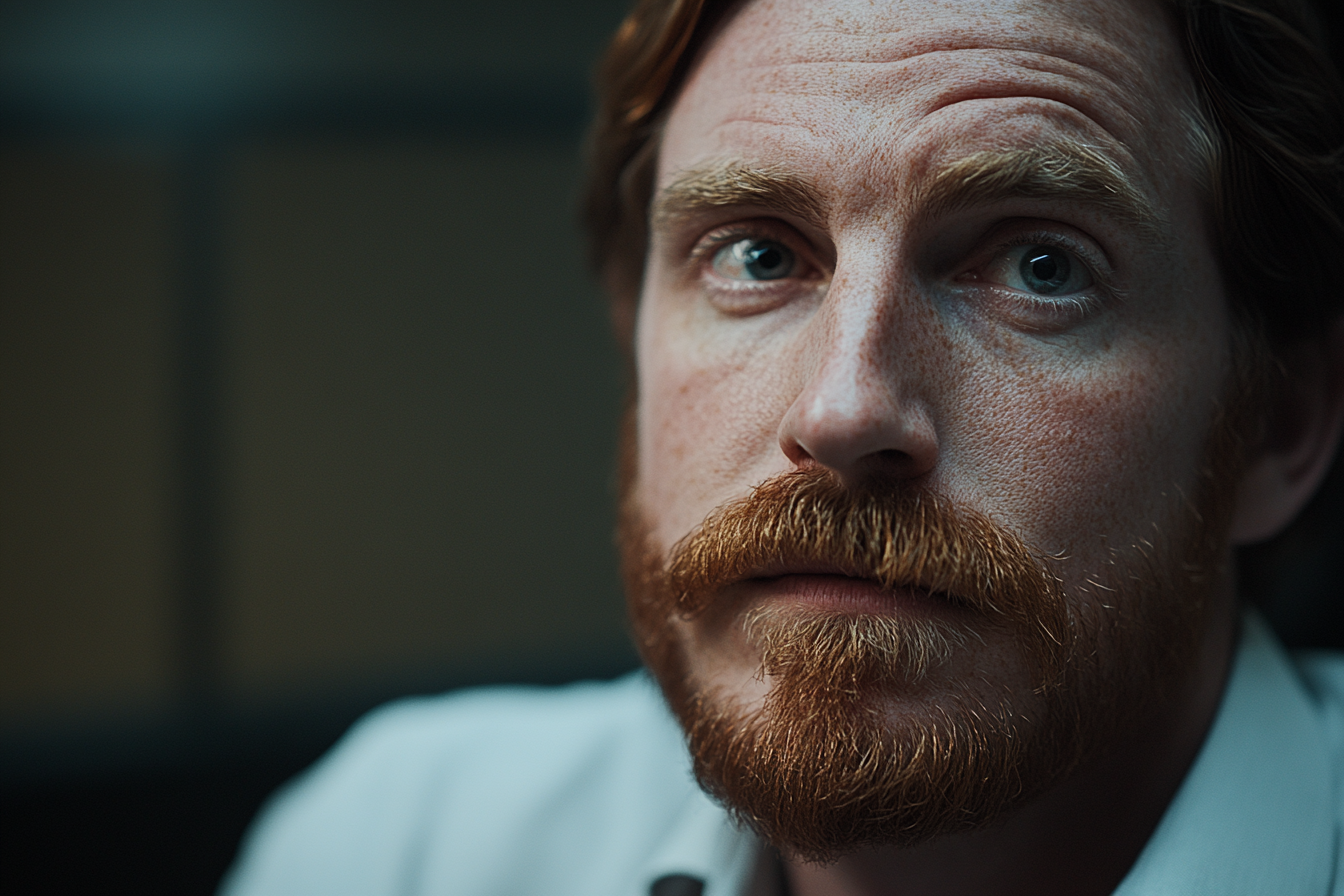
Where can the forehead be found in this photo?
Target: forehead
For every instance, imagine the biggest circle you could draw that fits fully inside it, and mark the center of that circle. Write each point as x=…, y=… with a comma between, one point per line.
x=861, y=89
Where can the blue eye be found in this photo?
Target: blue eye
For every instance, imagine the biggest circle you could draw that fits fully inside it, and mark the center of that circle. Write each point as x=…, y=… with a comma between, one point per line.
x=1045, y=271
x=755, y=260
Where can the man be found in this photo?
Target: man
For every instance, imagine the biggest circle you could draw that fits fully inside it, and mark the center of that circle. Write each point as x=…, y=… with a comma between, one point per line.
x=969, y=339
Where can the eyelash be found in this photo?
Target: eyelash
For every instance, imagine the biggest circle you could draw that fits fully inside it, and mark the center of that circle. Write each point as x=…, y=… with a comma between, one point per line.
x=1061, y=311
x=709, y=245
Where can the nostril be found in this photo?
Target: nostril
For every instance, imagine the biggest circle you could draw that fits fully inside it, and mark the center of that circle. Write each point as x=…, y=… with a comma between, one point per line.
x=886, y=463
x=795, y=452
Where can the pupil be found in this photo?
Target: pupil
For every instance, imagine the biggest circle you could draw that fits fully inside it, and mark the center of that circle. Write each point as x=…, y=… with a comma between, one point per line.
x=1044, y=267
x=767, y=258
x=766, y=261
x=1045, y=270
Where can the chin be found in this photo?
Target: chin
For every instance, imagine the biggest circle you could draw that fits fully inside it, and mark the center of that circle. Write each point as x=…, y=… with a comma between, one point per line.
x=827, y=755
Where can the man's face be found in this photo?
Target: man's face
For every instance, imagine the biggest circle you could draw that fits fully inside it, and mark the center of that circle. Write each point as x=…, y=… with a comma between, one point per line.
x=945, y=249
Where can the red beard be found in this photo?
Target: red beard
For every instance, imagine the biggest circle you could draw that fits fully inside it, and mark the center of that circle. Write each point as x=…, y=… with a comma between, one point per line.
x=823, y=767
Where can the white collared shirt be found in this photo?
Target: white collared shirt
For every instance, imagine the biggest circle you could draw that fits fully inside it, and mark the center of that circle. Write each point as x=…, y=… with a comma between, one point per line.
x=587, y=790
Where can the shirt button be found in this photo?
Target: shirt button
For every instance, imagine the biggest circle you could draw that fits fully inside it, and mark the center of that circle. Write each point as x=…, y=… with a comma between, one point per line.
x=677, y=885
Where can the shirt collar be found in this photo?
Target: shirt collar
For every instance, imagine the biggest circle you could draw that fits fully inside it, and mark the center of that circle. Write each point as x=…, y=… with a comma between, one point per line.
x=705, y=843
x=1255, y=812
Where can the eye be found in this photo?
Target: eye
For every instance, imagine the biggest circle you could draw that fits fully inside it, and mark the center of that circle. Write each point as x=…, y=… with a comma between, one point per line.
x=1040, y=270
x=751, y=259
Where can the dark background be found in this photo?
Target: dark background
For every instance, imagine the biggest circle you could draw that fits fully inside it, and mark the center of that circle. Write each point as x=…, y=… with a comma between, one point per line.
x=306, y=403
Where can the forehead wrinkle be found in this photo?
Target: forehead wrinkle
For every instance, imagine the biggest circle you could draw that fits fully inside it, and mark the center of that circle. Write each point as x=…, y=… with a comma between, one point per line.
x=1123, y=65
x=930, y=82
x=1063, y=171
x=727, y=183
x=937, y=57
x=1118, y=53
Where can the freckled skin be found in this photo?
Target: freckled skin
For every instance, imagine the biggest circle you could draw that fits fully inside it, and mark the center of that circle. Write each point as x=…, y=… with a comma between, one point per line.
x=1078, y=437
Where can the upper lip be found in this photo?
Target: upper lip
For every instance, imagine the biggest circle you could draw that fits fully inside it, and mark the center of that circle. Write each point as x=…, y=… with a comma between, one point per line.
x=773, y=570
x=785, y=568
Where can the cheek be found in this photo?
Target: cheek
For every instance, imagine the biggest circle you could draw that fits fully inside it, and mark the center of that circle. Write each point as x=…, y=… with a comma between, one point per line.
x=1092, y=456
x=706, y=423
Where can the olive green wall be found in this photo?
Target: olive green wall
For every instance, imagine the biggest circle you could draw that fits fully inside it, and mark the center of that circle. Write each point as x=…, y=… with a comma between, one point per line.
x=422, y=411
x=85, y=609
x=408, y=388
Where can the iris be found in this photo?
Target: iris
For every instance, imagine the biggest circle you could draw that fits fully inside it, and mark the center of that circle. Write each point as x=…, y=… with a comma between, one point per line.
x=1045, y=270
x=755, y=260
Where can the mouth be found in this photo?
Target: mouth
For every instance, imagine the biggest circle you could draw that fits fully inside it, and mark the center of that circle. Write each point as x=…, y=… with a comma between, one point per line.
x=837, y=590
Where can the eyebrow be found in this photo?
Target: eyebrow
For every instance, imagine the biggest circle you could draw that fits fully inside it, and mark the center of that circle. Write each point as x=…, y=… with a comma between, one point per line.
x=730, y=184
x=1055, y=172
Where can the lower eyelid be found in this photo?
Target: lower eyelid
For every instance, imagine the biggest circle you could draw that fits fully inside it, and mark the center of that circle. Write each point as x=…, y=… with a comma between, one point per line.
x=1030, y=314
x=749, y=297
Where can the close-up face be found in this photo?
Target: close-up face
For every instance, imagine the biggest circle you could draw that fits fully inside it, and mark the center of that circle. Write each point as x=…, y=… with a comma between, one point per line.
x=954, y=250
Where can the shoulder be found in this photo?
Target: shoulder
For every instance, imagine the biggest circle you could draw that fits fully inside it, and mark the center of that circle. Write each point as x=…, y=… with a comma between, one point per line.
x=479, y=791
x=1322, y=673
x=547, y=727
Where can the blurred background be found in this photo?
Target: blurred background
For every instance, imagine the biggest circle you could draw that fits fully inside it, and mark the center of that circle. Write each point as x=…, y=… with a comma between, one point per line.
x=306, y=402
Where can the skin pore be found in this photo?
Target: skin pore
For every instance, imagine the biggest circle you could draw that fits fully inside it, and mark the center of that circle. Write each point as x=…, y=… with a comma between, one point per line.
x=957, y=245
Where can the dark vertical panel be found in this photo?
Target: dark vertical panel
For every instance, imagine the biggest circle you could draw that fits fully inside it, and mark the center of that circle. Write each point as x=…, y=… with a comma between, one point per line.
x=84, y=439
x=199, y=453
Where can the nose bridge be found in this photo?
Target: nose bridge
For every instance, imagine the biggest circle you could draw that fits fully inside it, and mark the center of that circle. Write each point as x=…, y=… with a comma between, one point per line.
x=855, y=370
x=859, y=408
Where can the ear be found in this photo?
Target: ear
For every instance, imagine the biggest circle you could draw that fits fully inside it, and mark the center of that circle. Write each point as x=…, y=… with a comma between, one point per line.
x=1306, y=416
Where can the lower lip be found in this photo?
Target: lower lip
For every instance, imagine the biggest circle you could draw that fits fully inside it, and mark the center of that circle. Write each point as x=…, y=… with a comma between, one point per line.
x=843, y=594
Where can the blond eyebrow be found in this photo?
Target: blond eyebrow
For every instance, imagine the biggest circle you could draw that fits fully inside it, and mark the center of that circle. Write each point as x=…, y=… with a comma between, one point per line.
x=731, y=184
x=1067, y=172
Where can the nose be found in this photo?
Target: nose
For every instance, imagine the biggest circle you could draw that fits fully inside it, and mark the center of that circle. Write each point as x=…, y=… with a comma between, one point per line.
x=858, y=413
